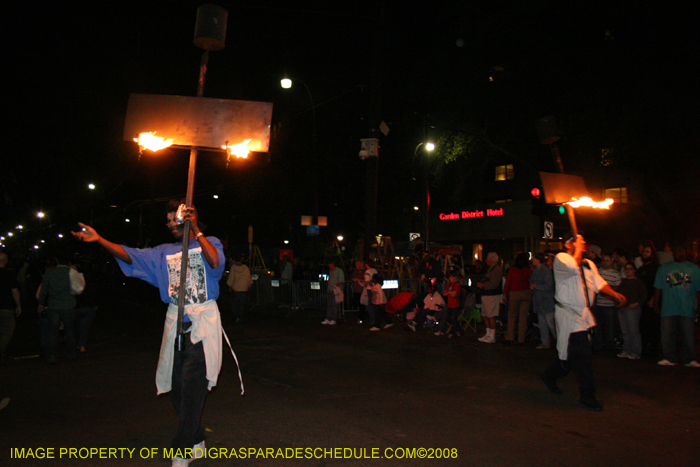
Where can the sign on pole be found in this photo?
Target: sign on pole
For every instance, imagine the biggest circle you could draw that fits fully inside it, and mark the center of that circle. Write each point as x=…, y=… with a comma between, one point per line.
x=549, y=230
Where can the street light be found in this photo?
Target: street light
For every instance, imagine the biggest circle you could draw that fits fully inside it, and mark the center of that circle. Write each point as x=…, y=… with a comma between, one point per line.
x=286, y=83
x=429, y=147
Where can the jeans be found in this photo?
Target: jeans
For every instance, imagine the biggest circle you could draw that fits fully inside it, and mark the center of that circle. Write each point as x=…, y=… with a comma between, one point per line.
x=238, y=300
x=189, y=389
x=83, y=321
x=604, y=332
x=7, y=329
x=629, y=325
x=579, y=360
x=332, y=308
x=54, y=322
x=545, y=321
x=671, y=327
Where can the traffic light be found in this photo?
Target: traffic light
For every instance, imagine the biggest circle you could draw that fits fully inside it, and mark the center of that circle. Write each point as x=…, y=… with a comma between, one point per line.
x=539, y=207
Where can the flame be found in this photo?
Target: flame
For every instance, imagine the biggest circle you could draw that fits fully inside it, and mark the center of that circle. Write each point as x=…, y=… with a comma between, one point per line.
x=152, y=142
x=588, y=202
x=240, y=150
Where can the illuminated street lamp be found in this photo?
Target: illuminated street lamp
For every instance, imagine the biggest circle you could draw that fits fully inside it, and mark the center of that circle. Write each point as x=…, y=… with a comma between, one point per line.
x=91, y=186
x=286, y=83
x=429, y=147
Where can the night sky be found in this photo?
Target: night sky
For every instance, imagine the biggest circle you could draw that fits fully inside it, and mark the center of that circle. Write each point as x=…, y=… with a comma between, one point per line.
x=612, y=73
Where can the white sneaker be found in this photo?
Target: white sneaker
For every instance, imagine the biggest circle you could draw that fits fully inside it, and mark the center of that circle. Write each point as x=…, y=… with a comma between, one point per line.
x=489, y=340
x=180, y=462
x=439, y=333
x=331, y=323
x=374, y=328
x=665, y=362
x=483, y=338
x=325, y=321
x=387, y=326
x=623, y=355
x=693, y=364
x=198, y=451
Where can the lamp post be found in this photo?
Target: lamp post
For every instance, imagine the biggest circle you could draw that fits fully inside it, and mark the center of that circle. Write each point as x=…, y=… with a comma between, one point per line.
x=429, y=147
x=287, y=83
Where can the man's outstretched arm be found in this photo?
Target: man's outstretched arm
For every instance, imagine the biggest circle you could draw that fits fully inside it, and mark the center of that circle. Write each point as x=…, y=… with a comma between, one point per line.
x=90, y=235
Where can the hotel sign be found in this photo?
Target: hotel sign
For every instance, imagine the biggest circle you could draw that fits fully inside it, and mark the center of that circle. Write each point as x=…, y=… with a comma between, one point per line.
x=498, y=221
x=471, y=214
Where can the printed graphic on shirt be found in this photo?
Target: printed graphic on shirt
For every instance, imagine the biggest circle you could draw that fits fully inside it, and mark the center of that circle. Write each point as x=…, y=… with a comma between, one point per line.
x=196, y=285
x=678, y=278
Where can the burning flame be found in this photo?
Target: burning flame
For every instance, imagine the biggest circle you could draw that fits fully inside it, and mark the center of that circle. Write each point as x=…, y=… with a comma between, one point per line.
x=588, y=202
x=152, y=142
x=240, y=150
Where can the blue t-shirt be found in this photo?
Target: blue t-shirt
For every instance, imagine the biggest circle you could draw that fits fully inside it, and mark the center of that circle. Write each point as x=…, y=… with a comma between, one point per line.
x=160, y=266
x=679, y=282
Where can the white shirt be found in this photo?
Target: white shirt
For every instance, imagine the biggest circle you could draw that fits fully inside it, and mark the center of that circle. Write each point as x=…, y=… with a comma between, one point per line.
x=433, y=302
x=206, y=327
x=572, y=313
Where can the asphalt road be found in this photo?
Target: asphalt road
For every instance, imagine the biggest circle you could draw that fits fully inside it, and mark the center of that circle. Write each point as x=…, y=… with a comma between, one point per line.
x=337, y=396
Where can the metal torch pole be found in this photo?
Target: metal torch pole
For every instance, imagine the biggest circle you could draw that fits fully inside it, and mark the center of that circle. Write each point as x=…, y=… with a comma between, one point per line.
x=560, y=166
x=188, y=203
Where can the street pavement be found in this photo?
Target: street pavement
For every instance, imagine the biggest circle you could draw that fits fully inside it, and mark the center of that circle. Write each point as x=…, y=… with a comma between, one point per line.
x=337, y=396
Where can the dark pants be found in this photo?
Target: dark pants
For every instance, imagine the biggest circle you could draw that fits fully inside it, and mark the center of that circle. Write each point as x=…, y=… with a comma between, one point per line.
x=579, y=360
x=650, y=328
x=83, y=321
x=54, y=323
x=238, y=300
x=604, y=332
x=446, y=317
x=189, y=389
x=378, y=315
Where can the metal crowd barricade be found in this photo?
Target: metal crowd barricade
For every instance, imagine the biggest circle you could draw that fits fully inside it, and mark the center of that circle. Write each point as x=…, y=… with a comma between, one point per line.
x=312, y=294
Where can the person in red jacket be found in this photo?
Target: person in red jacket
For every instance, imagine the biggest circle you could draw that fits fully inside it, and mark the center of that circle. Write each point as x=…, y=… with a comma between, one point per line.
x=519, y=295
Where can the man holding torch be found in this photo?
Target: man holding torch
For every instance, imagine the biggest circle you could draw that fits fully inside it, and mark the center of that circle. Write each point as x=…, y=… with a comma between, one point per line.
x=189, y=372
x=577, y=281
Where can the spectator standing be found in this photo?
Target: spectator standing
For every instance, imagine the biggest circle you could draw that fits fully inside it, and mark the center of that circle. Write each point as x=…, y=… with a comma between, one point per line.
x=677, y=291
x=10, y=305
x=491, y=294
x=239, y=282
x=604, y=309
x=336, y=279
x=519, y=294
x=453, y=292
x=636, y=294
x=55, y=291
x=377, y=311
x=542, y=285
x=358, y=281
x=649, y=323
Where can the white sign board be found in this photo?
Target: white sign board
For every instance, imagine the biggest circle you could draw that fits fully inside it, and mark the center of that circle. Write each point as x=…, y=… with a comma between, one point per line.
x=549, y=230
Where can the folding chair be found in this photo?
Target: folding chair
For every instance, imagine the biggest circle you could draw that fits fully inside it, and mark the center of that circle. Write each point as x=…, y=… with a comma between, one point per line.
x=469, y=317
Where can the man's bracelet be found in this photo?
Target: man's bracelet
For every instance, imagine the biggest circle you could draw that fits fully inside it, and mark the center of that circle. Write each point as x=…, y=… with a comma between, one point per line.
x=199, y=234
